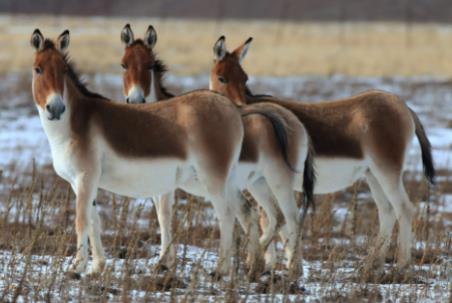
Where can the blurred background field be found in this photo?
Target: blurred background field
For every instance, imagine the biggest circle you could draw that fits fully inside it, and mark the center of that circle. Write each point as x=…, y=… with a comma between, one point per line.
x=305, y=50
x=279, y=48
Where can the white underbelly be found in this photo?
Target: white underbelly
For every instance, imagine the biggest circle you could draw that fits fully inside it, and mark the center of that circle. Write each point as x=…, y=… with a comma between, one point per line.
x=335, y=174
x=141, y=178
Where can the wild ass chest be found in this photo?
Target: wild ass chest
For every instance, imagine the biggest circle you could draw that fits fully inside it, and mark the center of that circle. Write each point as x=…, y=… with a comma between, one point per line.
x=61, y=147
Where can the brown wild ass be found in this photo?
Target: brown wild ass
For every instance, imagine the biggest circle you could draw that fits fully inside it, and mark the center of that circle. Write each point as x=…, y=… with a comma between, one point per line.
x=364, y=135
x=137, y=151
x=263, y=169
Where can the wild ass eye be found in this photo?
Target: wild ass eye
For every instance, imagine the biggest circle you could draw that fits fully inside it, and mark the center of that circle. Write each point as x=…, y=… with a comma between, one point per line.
x=38, y=70
x=124, y=66
x=222, y=80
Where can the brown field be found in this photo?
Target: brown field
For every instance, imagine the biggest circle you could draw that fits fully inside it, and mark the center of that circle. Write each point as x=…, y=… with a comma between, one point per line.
x=280, y=48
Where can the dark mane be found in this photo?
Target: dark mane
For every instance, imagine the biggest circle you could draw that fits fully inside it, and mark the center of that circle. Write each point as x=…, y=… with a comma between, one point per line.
x=160, y=69
x=73, y=75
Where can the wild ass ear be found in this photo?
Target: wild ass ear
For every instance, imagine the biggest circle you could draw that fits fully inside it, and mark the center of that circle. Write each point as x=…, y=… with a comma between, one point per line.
x=240, y=52
x=219, y=49
x=37, y=40
x=150, y=38
x=63, y=41
x=127, y=35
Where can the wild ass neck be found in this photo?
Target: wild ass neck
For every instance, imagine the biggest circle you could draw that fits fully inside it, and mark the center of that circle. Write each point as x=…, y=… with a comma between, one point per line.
x=158, y=91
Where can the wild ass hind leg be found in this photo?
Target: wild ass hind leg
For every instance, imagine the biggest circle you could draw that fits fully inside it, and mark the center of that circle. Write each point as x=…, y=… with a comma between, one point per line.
x=283, y=190
x=226, y=222
x=247, y=216
x=374, y=263
x=268, y=221
x=164, y=208
x=392, y=185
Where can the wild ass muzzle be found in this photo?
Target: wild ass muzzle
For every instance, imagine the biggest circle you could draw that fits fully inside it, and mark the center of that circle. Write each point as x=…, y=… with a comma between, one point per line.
x=136, y=151
x=364, y=135
x=273, y=157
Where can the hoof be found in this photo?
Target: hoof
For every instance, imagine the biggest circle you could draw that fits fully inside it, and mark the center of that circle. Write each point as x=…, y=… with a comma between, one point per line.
x=370, y=272
x=256, y=268
x=161, y=268
x=97, y=268
x=215, y=275
x=73, y=275
x=79, y=266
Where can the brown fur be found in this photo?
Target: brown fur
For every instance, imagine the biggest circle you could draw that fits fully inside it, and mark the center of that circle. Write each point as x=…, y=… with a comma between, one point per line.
x=342, y=128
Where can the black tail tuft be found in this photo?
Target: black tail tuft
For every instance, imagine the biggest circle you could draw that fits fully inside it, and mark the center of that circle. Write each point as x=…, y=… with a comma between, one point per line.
x=426, y=149
x=309, y=179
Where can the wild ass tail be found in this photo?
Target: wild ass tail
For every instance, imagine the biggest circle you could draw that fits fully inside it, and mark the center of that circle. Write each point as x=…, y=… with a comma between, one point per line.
x=426, y=149
x=279, y=127
x=309, y=179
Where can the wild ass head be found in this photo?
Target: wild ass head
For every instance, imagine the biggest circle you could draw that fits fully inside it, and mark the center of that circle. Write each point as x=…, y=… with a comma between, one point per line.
x=49, y=68
x=138, y=62
x=227, y=75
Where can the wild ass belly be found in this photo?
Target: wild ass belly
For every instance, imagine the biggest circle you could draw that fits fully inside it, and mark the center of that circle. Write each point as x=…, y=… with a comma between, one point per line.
x=141, y=178
x=242, y=175
x=335, y=174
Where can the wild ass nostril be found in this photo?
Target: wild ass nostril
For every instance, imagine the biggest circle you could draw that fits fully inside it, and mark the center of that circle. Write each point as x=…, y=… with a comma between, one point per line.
x=48, y=107
x=127, y=100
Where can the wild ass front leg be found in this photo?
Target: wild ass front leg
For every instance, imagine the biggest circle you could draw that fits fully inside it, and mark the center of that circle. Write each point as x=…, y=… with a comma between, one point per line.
x=85, y=189
x=164, y=207
x=95, y=240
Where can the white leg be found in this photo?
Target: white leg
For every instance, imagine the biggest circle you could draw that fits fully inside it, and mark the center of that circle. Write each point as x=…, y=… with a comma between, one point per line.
x=95, y=240
x=248, y=219
x=386, y=218
x=164, y=207
x=226, y=222
x=263, y=195
x=85, y=190
x=286, y=201
x=404, y=212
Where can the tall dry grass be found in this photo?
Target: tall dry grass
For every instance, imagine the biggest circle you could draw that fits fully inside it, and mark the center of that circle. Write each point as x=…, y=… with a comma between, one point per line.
x=38, y=243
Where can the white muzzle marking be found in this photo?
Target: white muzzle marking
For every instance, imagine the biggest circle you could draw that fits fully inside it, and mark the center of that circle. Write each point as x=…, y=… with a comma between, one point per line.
x=54, y=106
x=135, y=95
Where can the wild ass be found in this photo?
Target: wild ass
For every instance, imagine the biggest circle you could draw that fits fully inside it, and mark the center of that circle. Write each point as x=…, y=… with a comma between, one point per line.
x=364, y=135
x=137, y=151
x=263, y=169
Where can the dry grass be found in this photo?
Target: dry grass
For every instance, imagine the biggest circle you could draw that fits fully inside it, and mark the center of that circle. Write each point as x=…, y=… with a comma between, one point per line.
x=280, y=48
x=37, y=230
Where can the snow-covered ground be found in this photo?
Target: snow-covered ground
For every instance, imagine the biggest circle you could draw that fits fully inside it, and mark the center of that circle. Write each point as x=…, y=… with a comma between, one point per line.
x=22, y=141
